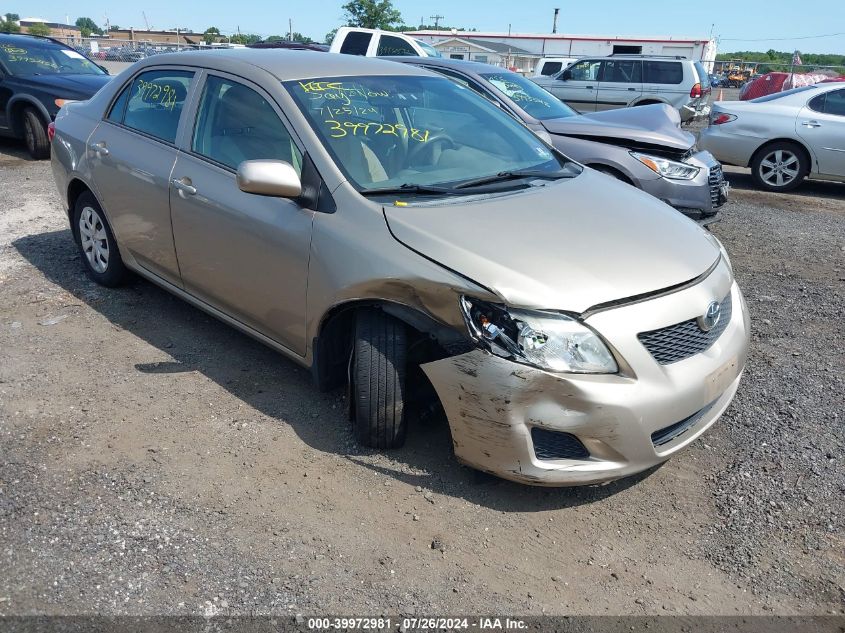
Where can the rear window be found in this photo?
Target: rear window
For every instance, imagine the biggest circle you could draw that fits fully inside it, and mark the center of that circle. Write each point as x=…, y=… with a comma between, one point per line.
x=663, y=72
x=550, y=68
x=780, y=95
x=356, y=43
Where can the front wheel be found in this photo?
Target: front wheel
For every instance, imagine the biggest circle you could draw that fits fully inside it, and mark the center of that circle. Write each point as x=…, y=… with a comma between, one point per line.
x=779, y=167
x=97, y=246
x=378, y=380
x=35, y=135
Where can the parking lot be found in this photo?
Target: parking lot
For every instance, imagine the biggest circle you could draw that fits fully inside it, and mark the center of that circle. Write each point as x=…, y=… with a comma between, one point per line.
x=156, y=461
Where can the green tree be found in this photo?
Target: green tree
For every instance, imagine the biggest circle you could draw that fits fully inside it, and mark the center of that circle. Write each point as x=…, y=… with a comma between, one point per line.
x=114, y=27
x=372, y=14
x=330, y=36
x=245, y=38
x=38, y=28
x=87, y=27
x=8, y=23
x=299, y=37
x=212, y=33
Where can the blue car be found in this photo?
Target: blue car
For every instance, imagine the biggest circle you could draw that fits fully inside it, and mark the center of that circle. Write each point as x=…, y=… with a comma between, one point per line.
x=38, y=75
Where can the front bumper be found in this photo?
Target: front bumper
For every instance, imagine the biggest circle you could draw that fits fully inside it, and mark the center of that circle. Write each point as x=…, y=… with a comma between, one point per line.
x=699, y=198
x=493, y=404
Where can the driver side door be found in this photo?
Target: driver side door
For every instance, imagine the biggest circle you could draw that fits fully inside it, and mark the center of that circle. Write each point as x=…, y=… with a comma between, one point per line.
x=244, y=254
x=579, y=89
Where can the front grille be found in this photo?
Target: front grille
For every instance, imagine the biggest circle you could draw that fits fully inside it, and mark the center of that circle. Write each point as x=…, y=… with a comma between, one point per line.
x=666, y=435
x=557, y=445
x=715, y=181
x=682, y=340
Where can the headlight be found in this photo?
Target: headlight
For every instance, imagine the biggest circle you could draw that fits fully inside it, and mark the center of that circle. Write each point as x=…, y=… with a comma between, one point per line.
x=545, y=340
x=667, y=168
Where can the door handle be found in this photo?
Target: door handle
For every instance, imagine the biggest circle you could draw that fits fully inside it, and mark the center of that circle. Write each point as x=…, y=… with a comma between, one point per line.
x=100, y=148
x=632, y=89
x=183, y=187
x=588, y=87
x=811, y=124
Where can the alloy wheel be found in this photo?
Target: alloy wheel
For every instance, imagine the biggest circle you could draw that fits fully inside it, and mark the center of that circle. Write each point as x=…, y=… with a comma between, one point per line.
x=779, y=168
x=95, y=241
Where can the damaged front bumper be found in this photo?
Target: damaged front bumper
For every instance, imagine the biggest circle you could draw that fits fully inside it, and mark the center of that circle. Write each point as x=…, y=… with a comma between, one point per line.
x=543, y=428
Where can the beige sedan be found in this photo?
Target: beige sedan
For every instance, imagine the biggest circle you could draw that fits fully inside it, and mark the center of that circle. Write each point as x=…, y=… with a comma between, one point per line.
x=368, y=219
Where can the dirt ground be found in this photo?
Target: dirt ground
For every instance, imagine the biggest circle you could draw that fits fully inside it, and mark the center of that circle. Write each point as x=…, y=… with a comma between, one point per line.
x=155, y=461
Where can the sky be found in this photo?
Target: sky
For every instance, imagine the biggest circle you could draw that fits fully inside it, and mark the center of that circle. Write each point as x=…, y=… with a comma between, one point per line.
x=739, y=25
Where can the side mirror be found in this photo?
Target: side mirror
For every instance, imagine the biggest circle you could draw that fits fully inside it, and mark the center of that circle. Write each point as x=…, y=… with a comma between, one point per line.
x=269, y=178
x=566, y=75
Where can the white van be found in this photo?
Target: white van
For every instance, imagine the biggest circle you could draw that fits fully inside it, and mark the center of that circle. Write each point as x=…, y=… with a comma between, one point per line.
x=378, y=43
x=548, y=66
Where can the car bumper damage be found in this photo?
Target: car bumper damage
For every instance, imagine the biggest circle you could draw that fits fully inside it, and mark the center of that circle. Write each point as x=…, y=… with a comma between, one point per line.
x=544, y=428
x=699, y=198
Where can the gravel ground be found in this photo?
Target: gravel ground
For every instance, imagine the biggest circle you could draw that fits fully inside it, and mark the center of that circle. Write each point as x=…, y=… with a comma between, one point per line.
x=154, y=461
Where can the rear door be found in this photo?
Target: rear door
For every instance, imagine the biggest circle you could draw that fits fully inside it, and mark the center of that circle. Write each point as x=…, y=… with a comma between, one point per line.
x=621, y=83
x=245, y=254
x=579, y=89
x=821, y=123
x=132, y=153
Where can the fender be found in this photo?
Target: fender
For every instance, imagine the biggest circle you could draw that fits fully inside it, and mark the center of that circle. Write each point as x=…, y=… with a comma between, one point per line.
x=30, y=101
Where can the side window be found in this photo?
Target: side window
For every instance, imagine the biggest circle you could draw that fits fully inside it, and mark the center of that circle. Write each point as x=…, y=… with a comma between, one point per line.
x=835, y=103
x=663, y=72
x=119, y=106
x=550, y=68
x=235, y=123
x=155, y=102
x=623, y=71
x=817, y=103
x=356, y=43
x=587, y=70
x=390, y=45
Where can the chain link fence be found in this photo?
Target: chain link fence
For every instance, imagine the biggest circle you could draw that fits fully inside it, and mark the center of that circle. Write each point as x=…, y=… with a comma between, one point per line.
x=115, y=55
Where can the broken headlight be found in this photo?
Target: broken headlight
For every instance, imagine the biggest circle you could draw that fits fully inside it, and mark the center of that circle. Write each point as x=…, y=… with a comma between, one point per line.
x=667, y=168
x=545, y=340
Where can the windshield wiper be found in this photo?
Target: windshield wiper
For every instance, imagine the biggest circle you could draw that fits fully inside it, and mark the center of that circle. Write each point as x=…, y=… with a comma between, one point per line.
x=407, y=188
x=503, y=176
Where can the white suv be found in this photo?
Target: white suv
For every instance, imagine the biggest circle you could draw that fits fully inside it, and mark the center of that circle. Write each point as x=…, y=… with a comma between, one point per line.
x=594, y=84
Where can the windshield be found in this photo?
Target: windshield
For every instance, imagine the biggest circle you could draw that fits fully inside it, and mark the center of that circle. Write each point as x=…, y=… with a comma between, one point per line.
x=785, y=93
x=45, y=58
x=407, y=130
x=539, y=103
x=429, y=50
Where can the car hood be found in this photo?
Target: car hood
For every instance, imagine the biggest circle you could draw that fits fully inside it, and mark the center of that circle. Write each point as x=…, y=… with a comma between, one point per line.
x=570, y=245
x=656, y=124
x=68, y=85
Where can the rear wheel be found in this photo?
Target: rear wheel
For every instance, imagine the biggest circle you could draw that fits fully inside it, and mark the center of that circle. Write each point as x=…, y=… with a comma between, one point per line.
x=35, y=135
x=97, y=246
x=378, y=379
x=780, y=166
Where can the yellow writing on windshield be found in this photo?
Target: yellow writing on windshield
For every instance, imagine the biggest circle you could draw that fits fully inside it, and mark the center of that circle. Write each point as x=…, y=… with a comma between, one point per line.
x=340, y=129
x=13, y=50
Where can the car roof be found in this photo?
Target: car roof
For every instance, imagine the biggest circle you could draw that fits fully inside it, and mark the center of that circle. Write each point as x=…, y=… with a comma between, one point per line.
x=443, y=62
x=24, y=37
x=284, y=64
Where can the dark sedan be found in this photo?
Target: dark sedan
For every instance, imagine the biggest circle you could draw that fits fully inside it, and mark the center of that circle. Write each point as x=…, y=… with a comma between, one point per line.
x=38, y=75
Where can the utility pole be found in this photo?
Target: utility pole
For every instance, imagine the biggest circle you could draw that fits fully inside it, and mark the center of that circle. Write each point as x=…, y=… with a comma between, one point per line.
x=290, y=30
x=436, y=19
x=554, y=22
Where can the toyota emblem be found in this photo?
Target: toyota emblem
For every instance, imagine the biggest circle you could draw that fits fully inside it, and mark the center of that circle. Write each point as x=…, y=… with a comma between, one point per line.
x=710, y=318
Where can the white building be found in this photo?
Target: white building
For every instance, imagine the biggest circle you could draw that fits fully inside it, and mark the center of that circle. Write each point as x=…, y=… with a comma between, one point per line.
x=503, y=54
x=562, y=45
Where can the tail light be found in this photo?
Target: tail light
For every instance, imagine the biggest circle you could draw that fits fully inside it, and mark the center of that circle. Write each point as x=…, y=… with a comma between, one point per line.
x=51, y=131
x=695, y=93
x=723, y=117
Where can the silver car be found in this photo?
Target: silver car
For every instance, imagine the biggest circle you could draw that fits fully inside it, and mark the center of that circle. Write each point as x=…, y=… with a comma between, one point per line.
x=644, y=146
x=399, y=235
x=784, y=137
x=594, y=84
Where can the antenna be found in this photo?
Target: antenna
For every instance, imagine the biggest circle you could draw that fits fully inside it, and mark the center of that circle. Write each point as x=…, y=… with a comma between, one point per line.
x=436, y=19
